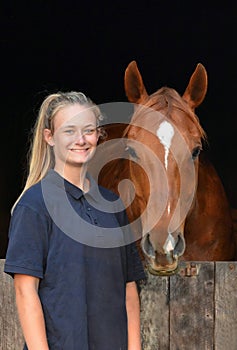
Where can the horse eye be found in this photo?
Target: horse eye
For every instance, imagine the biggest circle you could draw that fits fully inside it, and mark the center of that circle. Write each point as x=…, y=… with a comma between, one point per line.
x=131, y=152
x=195, y=153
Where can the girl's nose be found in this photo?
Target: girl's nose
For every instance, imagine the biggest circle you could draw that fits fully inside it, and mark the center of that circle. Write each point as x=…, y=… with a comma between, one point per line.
x=80, y=138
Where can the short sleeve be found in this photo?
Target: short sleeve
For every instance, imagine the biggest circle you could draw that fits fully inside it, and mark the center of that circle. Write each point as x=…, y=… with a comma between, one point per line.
x=28, y=243
x=135, y=270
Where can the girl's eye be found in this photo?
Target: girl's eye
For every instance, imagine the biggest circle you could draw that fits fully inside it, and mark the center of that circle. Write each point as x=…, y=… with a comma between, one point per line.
x=89, y=131
x=83, y=132
x=69, y=131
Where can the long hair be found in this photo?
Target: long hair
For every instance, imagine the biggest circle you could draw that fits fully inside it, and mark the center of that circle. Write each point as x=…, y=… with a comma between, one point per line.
x=41, y=156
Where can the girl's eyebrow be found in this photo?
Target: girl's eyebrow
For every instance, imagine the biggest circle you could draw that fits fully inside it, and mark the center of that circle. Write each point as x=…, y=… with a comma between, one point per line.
x=69, y=126
x=89, y=125
x=83, y=127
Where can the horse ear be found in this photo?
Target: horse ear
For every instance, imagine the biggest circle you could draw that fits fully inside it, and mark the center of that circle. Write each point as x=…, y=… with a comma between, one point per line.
x=133, y=83
x=197, y=87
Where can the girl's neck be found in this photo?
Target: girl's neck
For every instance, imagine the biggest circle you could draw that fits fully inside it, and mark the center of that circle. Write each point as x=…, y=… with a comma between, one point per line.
x=75, y=175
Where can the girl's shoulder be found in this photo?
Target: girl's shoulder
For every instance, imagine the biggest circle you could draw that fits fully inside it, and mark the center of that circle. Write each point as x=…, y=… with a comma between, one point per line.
x=33, y=198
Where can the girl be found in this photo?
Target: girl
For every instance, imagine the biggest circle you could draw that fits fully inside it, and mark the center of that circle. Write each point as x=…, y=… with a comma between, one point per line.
x=74, y=275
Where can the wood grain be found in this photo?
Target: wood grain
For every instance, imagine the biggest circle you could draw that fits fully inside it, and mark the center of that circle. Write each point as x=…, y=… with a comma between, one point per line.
x=182, y=312
x=11, y=337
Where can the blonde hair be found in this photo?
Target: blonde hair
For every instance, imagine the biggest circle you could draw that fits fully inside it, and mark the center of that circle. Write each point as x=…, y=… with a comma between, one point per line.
x=41, y=156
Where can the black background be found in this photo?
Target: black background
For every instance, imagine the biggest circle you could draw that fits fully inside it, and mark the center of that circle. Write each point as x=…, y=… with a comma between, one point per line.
x=48, y=46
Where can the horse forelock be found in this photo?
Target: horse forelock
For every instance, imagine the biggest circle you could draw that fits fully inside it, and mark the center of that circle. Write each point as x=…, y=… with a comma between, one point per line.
x=166, y=100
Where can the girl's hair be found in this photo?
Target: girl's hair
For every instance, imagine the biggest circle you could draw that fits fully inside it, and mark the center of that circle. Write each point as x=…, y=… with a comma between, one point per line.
x=41, y=156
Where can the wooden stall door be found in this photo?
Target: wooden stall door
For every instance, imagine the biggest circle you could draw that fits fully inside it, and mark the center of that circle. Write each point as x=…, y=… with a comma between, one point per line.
x=11, y=337
x=195, y=309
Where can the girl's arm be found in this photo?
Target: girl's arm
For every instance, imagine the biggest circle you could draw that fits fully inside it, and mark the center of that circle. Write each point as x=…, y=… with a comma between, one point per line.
x=30, y=312
x=133, y=314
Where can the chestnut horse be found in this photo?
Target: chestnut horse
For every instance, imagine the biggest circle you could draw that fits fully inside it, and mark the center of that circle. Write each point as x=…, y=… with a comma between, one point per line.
x=177, y=199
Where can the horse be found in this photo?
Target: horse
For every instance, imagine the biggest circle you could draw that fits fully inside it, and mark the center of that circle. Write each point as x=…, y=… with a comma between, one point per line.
x=172, y=192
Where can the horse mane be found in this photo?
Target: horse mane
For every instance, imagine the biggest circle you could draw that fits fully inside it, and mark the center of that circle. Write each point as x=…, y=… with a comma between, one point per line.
x=166, y=99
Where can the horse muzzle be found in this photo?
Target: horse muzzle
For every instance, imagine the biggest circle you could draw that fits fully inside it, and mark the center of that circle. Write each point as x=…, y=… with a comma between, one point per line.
x=163, y=262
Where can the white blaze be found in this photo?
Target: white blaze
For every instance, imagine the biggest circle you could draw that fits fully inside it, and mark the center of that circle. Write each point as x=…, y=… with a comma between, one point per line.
x=165, y=133
x=169, y=244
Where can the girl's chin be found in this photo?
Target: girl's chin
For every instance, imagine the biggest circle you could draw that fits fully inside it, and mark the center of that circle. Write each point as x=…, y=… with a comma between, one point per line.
x=80, y=160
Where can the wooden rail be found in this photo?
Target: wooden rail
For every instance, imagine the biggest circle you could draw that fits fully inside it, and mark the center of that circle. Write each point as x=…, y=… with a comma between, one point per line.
x=196, y=309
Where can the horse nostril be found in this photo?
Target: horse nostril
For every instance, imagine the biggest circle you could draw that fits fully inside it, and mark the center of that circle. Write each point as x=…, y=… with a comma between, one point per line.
x=147, y=246
x=180, y=246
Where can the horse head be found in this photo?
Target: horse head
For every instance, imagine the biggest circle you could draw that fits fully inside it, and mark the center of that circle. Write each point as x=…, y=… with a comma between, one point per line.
x=163, y=142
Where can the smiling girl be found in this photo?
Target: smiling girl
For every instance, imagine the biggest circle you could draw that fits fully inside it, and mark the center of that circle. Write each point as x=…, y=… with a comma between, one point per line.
x=74, y=274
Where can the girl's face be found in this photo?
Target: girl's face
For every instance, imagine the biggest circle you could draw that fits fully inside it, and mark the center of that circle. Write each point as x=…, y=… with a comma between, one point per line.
x=75, y=136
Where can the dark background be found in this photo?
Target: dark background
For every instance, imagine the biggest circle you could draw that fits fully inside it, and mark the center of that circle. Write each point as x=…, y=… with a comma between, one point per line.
x=86, y=46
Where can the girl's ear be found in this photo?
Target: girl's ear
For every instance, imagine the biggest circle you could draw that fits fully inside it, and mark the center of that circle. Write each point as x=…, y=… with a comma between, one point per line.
x=48, y=137
x=99, y=133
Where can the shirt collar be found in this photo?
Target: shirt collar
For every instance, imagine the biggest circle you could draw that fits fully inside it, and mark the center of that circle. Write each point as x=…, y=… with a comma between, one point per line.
x=73, y=190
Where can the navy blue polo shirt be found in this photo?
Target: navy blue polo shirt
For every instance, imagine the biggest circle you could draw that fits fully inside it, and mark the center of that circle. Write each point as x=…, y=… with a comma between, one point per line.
x=80, y=247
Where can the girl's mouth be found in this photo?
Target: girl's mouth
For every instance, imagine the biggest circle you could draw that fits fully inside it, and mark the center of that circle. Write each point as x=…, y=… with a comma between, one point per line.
x=84, y=150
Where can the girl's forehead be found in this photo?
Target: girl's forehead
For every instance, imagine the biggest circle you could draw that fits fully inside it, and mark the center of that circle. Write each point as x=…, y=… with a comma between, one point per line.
x=74, y=115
